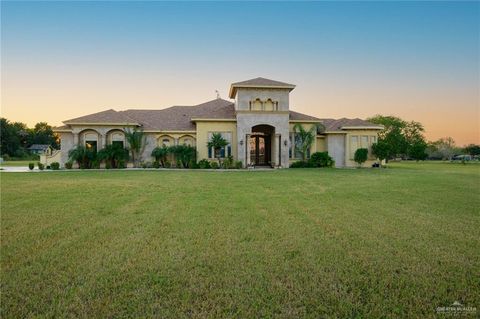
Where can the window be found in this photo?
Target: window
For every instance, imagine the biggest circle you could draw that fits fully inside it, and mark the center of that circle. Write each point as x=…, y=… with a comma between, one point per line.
x=166, y=142
x=364, y=141
x=91, y=145
x=353, y=145
x=118, y=143
x=224, y=151
x=269, y=105
x=257, y=105
x=296, y=139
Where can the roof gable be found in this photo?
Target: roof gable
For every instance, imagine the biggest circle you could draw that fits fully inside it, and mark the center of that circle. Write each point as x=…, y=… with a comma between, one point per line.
x=259, y=83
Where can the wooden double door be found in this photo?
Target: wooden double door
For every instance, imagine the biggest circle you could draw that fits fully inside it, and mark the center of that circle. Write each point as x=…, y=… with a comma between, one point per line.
x=260, y=149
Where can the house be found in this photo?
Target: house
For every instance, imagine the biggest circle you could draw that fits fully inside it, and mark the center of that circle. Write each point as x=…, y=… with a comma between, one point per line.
x=40, y=149
x=258, y=124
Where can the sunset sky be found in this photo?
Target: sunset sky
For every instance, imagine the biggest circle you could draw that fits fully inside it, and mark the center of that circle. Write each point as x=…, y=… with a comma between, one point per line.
x=415, y=60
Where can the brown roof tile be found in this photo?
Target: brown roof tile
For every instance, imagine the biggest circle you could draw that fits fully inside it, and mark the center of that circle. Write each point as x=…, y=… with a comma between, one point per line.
x=108, y=116
x=336, y=125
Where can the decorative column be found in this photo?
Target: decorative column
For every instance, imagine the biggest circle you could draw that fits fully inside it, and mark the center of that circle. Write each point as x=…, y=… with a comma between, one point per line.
x=278, y=147
x=75, y=139
x=103, y=137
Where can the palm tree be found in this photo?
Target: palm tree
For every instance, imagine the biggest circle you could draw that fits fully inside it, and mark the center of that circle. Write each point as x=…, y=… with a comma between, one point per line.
x=160, y=154
x=113, y=154
x=305, y=138
x=83, y=156
x=136, y=139
x=217, y=142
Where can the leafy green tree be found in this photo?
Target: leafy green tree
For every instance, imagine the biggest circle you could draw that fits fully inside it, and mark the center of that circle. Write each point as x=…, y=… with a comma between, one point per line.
x=472, y=149
x=360, y=156
x=381, y=150
x=217, y=142
x=13, y=138
x=42, y=133
x=113, y=154
x=417, y=150
x=305, y=138
x=84, y=157
x=136, y=140
x=392, y=134
x=160, y=154
x=184, y=154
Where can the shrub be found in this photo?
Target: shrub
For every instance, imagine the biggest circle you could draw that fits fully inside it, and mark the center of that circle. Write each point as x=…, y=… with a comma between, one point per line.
x=228, y=163
x=214, y=165
x=31, y=166
x=300, y=164
x=108, y=165
x=320, y=159
x=55, y=166
x=122, y=164
x=183, y=154
x=68, y=165
x=167, y=164
x=6, y=157
x=204, y=164
x=238, y=164
x=360, y=156
x=40, y=166
x=156, y=164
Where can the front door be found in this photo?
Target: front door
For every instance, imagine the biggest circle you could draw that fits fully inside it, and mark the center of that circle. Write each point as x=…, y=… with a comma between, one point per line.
x=260, y=150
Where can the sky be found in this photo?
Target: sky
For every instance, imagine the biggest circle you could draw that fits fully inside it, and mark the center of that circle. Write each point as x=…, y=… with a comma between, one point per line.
x=415, y=60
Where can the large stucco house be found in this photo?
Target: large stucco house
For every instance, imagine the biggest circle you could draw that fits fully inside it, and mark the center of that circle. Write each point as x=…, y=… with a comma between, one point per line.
x=258, y=124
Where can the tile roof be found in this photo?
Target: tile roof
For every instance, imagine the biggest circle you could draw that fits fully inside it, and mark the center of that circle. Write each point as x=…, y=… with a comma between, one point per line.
x=39, y=146
x=260, y=83
x=108, y=116
x=336, y=125
x=179, y=118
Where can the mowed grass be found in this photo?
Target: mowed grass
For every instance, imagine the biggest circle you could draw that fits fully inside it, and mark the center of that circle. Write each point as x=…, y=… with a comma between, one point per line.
x=19, y=163
x=368, y=243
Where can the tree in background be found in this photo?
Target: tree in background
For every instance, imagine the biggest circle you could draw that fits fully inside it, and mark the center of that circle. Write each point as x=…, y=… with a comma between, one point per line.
x=443, y=148
x=42, y=133
x=360, y=156
x=392, y=134
x=404, y=139
x=136, y=139
x=472, y=149
x=13, y=138
x=381, y=149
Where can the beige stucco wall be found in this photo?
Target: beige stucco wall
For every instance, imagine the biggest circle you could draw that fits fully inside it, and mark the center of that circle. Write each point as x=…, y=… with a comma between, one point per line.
x=245, y=95
x=321, y=144
x=349, y=151
x=203, y=128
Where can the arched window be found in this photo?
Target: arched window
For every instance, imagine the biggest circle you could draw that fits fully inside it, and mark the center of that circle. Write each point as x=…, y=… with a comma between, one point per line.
x=90, y=139
x=269, y=105
x=257, y=105
x=116, y=138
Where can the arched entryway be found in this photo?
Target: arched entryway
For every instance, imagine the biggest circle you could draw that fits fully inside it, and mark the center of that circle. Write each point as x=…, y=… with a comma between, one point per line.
x=260, y=145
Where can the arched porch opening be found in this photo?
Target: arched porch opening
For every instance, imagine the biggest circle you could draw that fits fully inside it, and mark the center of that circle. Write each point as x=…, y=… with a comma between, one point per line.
x=261, y=145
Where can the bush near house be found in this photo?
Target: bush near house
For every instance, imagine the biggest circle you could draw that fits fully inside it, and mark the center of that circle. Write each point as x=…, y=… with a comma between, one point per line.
x=204, y=163
x=68, y=165
x=214, y=165
x=321, y=159
x=55, y=166
x=31, y=166
x=40, y=166
x=360, y=156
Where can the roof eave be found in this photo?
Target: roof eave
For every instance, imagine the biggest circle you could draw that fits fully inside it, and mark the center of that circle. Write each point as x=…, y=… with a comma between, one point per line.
x=357, y=127
x=234, y=87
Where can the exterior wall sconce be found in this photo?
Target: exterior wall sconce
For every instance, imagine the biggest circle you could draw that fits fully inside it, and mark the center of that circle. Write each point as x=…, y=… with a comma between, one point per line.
x=285, y=142
x=241, y=142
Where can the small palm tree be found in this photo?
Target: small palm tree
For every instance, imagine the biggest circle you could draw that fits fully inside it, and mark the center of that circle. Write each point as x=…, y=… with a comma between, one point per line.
x=113, y=154
x=136, y=139
x=160, y=154
x=305, y=138
x=217, y=142
x=83, y=156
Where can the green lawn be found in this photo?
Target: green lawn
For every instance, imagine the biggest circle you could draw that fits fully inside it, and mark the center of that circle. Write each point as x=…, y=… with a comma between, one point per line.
x=19, y=163
x=392, y=243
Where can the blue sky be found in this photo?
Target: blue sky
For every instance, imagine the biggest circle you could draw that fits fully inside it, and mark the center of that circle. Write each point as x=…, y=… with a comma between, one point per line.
x=418, y=60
